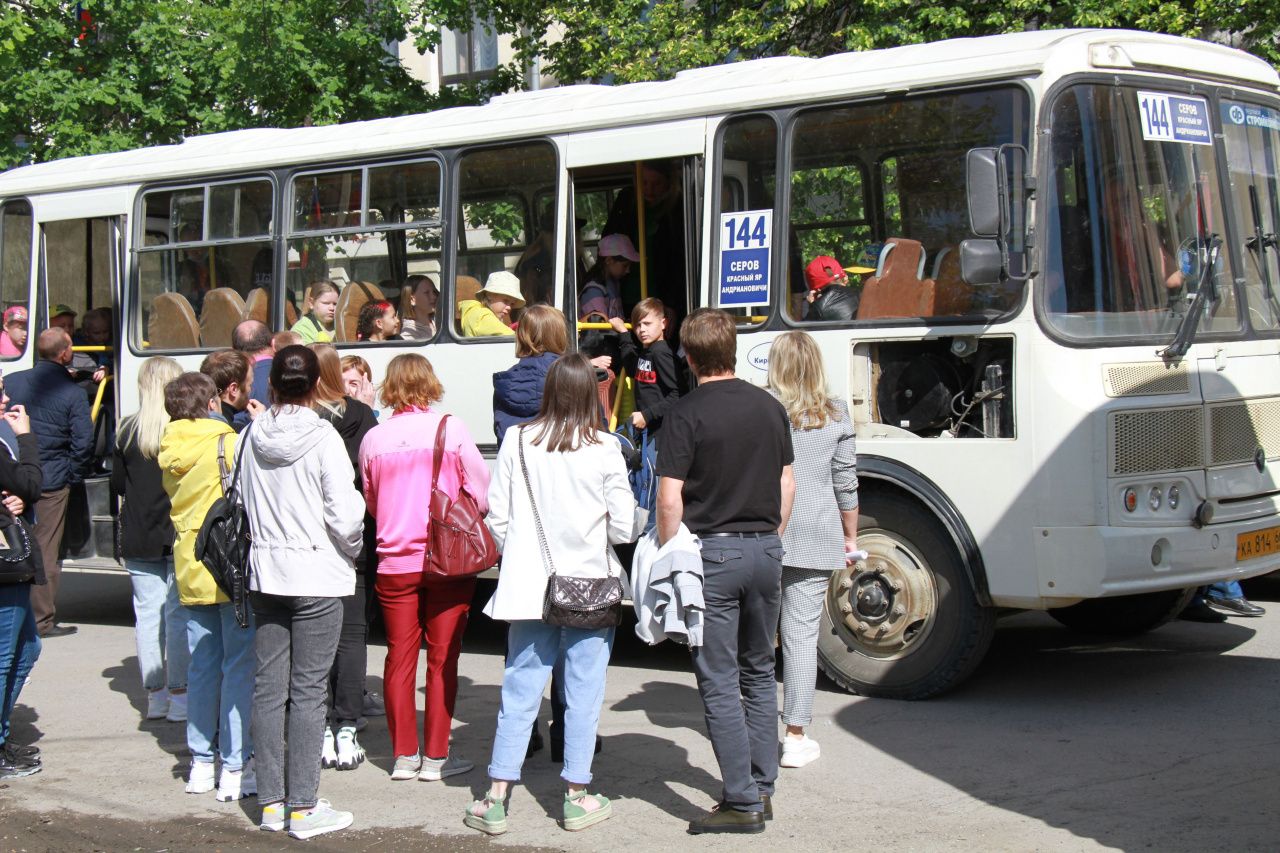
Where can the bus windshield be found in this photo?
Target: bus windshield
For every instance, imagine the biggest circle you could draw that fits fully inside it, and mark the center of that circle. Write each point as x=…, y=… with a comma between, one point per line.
x=1251, y=133
x=1130, y=217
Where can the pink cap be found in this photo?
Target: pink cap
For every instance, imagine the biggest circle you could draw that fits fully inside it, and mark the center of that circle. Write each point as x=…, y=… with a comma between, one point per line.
x=618, y=246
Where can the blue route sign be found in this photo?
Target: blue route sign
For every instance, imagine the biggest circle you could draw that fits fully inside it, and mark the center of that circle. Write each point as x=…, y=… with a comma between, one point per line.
x=746, y=242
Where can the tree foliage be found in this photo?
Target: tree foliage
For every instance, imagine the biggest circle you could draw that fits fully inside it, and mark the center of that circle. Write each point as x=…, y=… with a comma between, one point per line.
x=147, y=72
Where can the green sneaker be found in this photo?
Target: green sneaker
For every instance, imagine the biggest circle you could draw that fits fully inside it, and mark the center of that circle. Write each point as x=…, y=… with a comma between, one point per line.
x=577, y=817
x=488, y=815
x=274, y=817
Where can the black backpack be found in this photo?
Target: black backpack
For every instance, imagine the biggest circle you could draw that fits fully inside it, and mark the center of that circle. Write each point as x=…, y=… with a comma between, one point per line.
x=223, y=541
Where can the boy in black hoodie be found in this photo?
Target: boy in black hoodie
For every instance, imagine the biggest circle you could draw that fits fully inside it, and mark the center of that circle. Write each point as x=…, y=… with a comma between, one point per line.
x=652, y=365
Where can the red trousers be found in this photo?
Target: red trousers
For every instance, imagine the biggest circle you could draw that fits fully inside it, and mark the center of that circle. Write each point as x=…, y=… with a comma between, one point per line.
x=414, y=605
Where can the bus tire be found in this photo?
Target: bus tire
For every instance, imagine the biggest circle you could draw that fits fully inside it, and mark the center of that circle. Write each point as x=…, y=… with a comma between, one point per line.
x=905, y=623
x=1124, y=615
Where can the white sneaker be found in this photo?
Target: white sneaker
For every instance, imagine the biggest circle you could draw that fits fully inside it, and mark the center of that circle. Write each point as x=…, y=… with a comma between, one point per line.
x=237, y=784
x=406, y=767
x=201, y=778
x=328, y=750
x=177, y=708
x=797, y=752
x=157, y=703
x=350, y=752
x=315, y=821
x=435, y=769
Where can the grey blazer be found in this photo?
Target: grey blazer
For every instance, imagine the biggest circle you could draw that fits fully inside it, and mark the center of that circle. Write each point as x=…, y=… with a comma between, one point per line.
x=826, y=484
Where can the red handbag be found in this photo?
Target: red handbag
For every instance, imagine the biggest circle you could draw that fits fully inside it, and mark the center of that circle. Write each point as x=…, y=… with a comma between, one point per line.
x=459, y=544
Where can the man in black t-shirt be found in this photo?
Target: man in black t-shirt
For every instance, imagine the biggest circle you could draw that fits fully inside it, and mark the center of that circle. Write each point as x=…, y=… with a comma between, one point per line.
x=725, y=471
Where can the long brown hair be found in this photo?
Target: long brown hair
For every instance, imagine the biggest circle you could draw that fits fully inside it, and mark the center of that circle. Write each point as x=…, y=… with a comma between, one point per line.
x=570, y=416
x=541, y=329
x=330, y=390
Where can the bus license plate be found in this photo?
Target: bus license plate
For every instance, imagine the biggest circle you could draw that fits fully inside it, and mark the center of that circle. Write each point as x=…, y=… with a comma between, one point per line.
x=1259, y=543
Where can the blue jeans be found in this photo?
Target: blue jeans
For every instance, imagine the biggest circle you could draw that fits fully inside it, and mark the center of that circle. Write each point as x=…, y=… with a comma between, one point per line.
x=1224, y=589
x=19, y=647
x=532, y=649
x=160, y=624
x=219, y=685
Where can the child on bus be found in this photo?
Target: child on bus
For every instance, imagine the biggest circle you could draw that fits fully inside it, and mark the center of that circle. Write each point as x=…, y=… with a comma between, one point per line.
x=378, y=321
x=317, y=326
x=652, y=365
x=602, y=293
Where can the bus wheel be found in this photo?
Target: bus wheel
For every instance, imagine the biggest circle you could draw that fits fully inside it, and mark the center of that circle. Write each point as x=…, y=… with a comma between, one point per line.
x=904, y=624
x=1124, y=615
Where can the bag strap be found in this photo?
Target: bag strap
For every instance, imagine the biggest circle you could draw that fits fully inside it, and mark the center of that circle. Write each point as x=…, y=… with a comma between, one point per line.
x=224, y=475
x=230, y=491
x=537, y=519
x=437, y=457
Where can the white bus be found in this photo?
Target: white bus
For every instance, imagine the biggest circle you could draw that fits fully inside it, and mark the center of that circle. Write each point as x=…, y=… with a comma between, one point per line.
x=1065, y=363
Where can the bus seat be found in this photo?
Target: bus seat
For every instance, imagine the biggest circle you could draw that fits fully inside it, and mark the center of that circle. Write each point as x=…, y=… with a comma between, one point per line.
x=953, y=296
x=897, y=289
x=172, y=323
x=290, y=315
x=354, y=296
x=222, y=311
x=257, y=306
x=465, y=287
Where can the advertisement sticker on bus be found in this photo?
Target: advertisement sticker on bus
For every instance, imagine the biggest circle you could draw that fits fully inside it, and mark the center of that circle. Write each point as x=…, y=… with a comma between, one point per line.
x=1251, y=115
x=1175, y=118
x=746, y=241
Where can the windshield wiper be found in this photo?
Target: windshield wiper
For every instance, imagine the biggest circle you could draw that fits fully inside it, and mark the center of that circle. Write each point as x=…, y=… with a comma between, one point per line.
x=1207, y=248
x=1258, y=244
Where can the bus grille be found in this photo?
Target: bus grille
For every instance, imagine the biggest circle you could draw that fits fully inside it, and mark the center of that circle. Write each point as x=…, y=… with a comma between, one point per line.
x=1152, y=441
x=1146, y=378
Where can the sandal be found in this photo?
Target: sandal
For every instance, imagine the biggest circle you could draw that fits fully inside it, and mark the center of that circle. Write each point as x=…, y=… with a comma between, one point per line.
x=576, y=817
x=492, y=817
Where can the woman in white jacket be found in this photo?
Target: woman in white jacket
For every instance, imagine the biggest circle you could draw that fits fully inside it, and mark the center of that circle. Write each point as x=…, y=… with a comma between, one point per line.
x=306, y=519
x=579, y=483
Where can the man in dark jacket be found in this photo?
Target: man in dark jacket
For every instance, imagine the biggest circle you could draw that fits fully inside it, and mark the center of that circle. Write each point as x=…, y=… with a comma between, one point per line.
x=60, y=419
x=253, y=338
x=830, y=296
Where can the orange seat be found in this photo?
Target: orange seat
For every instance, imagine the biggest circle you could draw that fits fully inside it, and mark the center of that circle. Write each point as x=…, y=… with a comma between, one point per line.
x=953, y=295
x=257, y=306
x=897, y=290
x=354, y=296
x=222, y=311
x=172, y=323
x=465, y=287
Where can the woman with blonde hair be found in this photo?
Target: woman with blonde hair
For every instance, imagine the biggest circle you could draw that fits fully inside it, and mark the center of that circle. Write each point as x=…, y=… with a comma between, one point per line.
x=398, y=465
x=353, y=420
x=823, y=528
x=146, y=546
x=541, y=338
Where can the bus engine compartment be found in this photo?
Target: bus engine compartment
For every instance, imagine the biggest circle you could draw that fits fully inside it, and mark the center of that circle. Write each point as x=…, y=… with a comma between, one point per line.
x=948, y=387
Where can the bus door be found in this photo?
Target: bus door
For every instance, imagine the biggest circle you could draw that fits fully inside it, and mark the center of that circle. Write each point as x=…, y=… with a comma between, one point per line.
x=81, y=271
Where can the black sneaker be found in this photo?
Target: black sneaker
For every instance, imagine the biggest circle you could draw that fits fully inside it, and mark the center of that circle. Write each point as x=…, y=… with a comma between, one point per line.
x=10, y=769
x=721, y=818
x=1199, y=611
x=22, y=750
x=1235, y=606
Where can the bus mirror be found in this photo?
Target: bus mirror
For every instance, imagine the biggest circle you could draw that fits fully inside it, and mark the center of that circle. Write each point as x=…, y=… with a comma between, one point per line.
x=981, y=262
x=986, y=192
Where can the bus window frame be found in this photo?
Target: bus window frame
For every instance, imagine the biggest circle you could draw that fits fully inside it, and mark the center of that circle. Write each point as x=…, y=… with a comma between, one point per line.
x=137, y=247
x=449, y=330
x=35, y=270
x=1240, y=230
x=1044, y=173
x=872, y=196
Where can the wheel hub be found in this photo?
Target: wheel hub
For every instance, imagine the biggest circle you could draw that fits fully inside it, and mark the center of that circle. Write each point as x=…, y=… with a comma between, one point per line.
x=885, y=605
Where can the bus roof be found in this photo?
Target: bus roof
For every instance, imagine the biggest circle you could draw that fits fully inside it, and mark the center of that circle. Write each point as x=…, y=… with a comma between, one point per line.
x=702, y=91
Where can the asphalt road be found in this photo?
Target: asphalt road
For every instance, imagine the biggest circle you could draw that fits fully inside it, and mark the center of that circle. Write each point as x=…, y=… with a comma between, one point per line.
x=1058, y=743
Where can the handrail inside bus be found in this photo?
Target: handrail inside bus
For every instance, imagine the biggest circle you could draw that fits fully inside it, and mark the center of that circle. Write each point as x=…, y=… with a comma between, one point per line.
x=88, y=348
x=617, y=399
x=97, y=399
x=583, y=324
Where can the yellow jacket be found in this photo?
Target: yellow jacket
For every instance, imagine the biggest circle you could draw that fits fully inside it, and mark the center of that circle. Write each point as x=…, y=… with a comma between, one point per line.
x=189, y=470
x=479, y=322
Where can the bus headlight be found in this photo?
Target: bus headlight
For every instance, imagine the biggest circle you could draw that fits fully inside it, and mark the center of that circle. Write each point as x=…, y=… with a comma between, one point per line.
x=1155, y=498
x=1174, y=497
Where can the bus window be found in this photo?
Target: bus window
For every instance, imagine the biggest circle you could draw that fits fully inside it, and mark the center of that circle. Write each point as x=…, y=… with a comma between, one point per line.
x=367, y=229
x=204, y=262
x=497, y=229
x=881, y=189
x=15, y=278
x=1124, y=216
x=1252, y=136
x=748, y=150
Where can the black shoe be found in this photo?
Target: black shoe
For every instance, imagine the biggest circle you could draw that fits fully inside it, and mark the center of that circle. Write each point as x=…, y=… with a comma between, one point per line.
x=12, y=770
x=768, y=806
x=374, y=706
x=1199, y=611
x=1235, y=606
x=722, y=818
x=22, y=750
x=60, y=631
x=535, y=742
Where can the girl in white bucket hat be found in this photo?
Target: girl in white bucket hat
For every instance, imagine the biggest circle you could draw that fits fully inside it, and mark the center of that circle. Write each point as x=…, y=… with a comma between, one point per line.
x=490, y=312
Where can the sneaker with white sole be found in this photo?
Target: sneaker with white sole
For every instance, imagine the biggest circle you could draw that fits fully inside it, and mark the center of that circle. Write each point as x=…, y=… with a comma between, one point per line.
x=435, y=769
x=274, y=817
x=406, y=767
x=350, y=752
x=177, y=708
x=237, y=784
x=201, y=778
x=308, y=823
x=329, y=750
x=797, y=752
x=157, y=704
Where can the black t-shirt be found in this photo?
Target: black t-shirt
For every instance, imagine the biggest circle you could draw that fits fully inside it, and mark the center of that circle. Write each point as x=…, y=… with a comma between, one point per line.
x=657, y=383
x=728, y=441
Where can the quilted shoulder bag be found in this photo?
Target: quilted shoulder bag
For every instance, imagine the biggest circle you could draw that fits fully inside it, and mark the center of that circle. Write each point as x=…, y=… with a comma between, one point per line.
x=19, y=558
x=459, y=544
x=223, y=542
x=570, y=602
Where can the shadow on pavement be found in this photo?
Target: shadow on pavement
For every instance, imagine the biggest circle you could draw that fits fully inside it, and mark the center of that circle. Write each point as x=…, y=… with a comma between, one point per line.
x=170, y=737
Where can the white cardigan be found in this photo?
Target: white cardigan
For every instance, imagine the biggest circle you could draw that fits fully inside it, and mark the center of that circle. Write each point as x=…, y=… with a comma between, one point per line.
x=585, y=502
